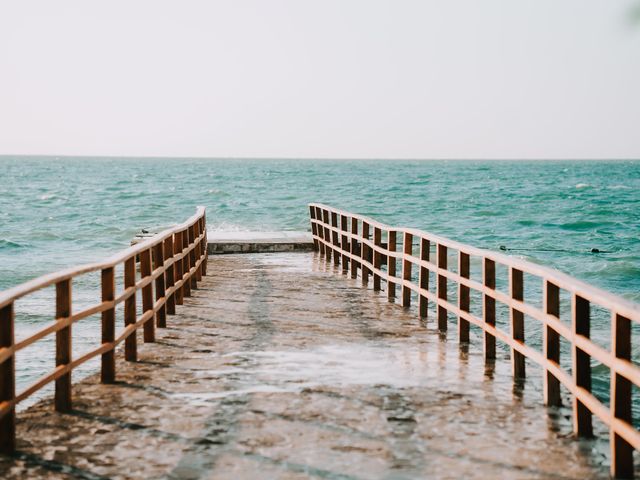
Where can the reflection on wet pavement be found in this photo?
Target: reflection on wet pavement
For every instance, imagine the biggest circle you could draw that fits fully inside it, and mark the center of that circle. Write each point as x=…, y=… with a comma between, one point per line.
x=281, y=367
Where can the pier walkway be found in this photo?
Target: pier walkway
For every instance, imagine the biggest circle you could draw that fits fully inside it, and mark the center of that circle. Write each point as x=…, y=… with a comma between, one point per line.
x=280, y=366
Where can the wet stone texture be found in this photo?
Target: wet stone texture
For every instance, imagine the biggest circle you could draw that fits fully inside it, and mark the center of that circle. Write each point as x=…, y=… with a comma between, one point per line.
x=279, y=366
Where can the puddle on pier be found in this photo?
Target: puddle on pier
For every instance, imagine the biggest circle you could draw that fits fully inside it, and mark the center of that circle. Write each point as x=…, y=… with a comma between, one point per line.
x=390, y=365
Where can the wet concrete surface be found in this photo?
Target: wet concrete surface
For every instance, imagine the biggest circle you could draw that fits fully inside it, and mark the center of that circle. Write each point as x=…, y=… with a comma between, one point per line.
x=279, y=366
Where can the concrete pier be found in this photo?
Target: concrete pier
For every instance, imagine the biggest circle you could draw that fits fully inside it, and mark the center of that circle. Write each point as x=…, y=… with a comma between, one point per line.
x=279, y=366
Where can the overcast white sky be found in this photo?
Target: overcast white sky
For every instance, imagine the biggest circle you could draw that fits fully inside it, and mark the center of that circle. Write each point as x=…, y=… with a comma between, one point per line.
x=326, y=78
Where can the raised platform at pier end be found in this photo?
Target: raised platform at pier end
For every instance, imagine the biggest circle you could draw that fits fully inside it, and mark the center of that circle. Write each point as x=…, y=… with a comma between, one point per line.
x=259, y=242
x=222, y=242
x=281, y=366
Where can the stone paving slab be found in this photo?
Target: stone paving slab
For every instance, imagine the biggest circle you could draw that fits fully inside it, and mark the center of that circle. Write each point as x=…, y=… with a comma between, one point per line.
x=281, y=367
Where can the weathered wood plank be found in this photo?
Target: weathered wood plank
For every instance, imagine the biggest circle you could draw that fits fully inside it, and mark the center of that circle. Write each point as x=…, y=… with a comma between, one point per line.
x=489, y=310
x=425, y=253
x=407, y=248
x=158, y=263
x=581, y=366
x=108, y=320
x=131, y=343
x=442, y=287
x=149, y=328
x=63, y=346
x=516, y=281
x=7, y=381
x=551, y=344
x=464, y=300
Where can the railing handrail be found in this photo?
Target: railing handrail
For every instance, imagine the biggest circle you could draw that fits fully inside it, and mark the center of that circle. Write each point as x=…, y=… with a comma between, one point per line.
x=356, y=241
x=571, y=284
x=12, y=294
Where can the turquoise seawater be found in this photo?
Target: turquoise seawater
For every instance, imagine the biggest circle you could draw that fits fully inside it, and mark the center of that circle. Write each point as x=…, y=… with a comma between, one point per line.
x=58, y=212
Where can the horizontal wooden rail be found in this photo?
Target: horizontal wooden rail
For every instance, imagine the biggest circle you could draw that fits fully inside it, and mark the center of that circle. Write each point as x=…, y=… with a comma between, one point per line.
x=184, y=246
x=362, y=242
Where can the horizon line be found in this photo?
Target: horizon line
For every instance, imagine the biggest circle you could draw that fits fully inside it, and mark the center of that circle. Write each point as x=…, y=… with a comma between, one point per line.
x=240, y=158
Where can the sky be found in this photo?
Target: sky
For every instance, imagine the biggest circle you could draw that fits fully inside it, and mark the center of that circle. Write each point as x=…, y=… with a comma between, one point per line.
x=321, y=79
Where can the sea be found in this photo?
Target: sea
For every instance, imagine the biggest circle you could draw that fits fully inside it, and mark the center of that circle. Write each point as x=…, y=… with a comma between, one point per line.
x=580, y=217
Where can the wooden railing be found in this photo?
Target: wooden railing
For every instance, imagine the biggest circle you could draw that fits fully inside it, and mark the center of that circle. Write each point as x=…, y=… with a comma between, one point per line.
x=172, y=261
x=361, y=243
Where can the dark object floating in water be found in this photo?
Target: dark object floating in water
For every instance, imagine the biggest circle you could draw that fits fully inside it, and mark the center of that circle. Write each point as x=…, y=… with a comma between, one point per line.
x=145, y=231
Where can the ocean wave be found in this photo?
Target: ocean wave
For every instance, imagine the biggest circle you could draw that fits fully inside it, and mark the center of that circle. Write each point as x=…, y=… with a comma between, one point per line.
x=583, y=225
x=228, y=227
x=583, y=185
x=6, y=244
x=526, y=223
x=215, y=191
x=486, y=213
x=621, y=269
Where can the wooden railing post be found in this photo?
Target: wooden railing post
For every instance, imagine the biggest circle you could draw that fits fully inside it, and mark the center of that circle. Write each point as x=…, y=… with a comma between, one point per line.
x=320, y=231
x=551, y=344
x=108, y=360
x=327, y=235
x=463, y=297
x=425, y=254
x=335, y=239
x=205, y=244
x=621, y=450
x=516, y=282
x=149, y=327
x=197, y=275
x=407, y=248
x=489, y=308
x=158, y=262
x=355, y=247
x=63, y=346
x=581, y=366
x=186, y=264
x=365, y=253
x=193, y=277
x=314, y=230
x=178, y=265
x=391, y=265
x=195, y=254
x=170, y=278
x=377, y=257
x=130, y=343
x=344, y=242
x=442, y=287
x=198, y=249
x=7, y=381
